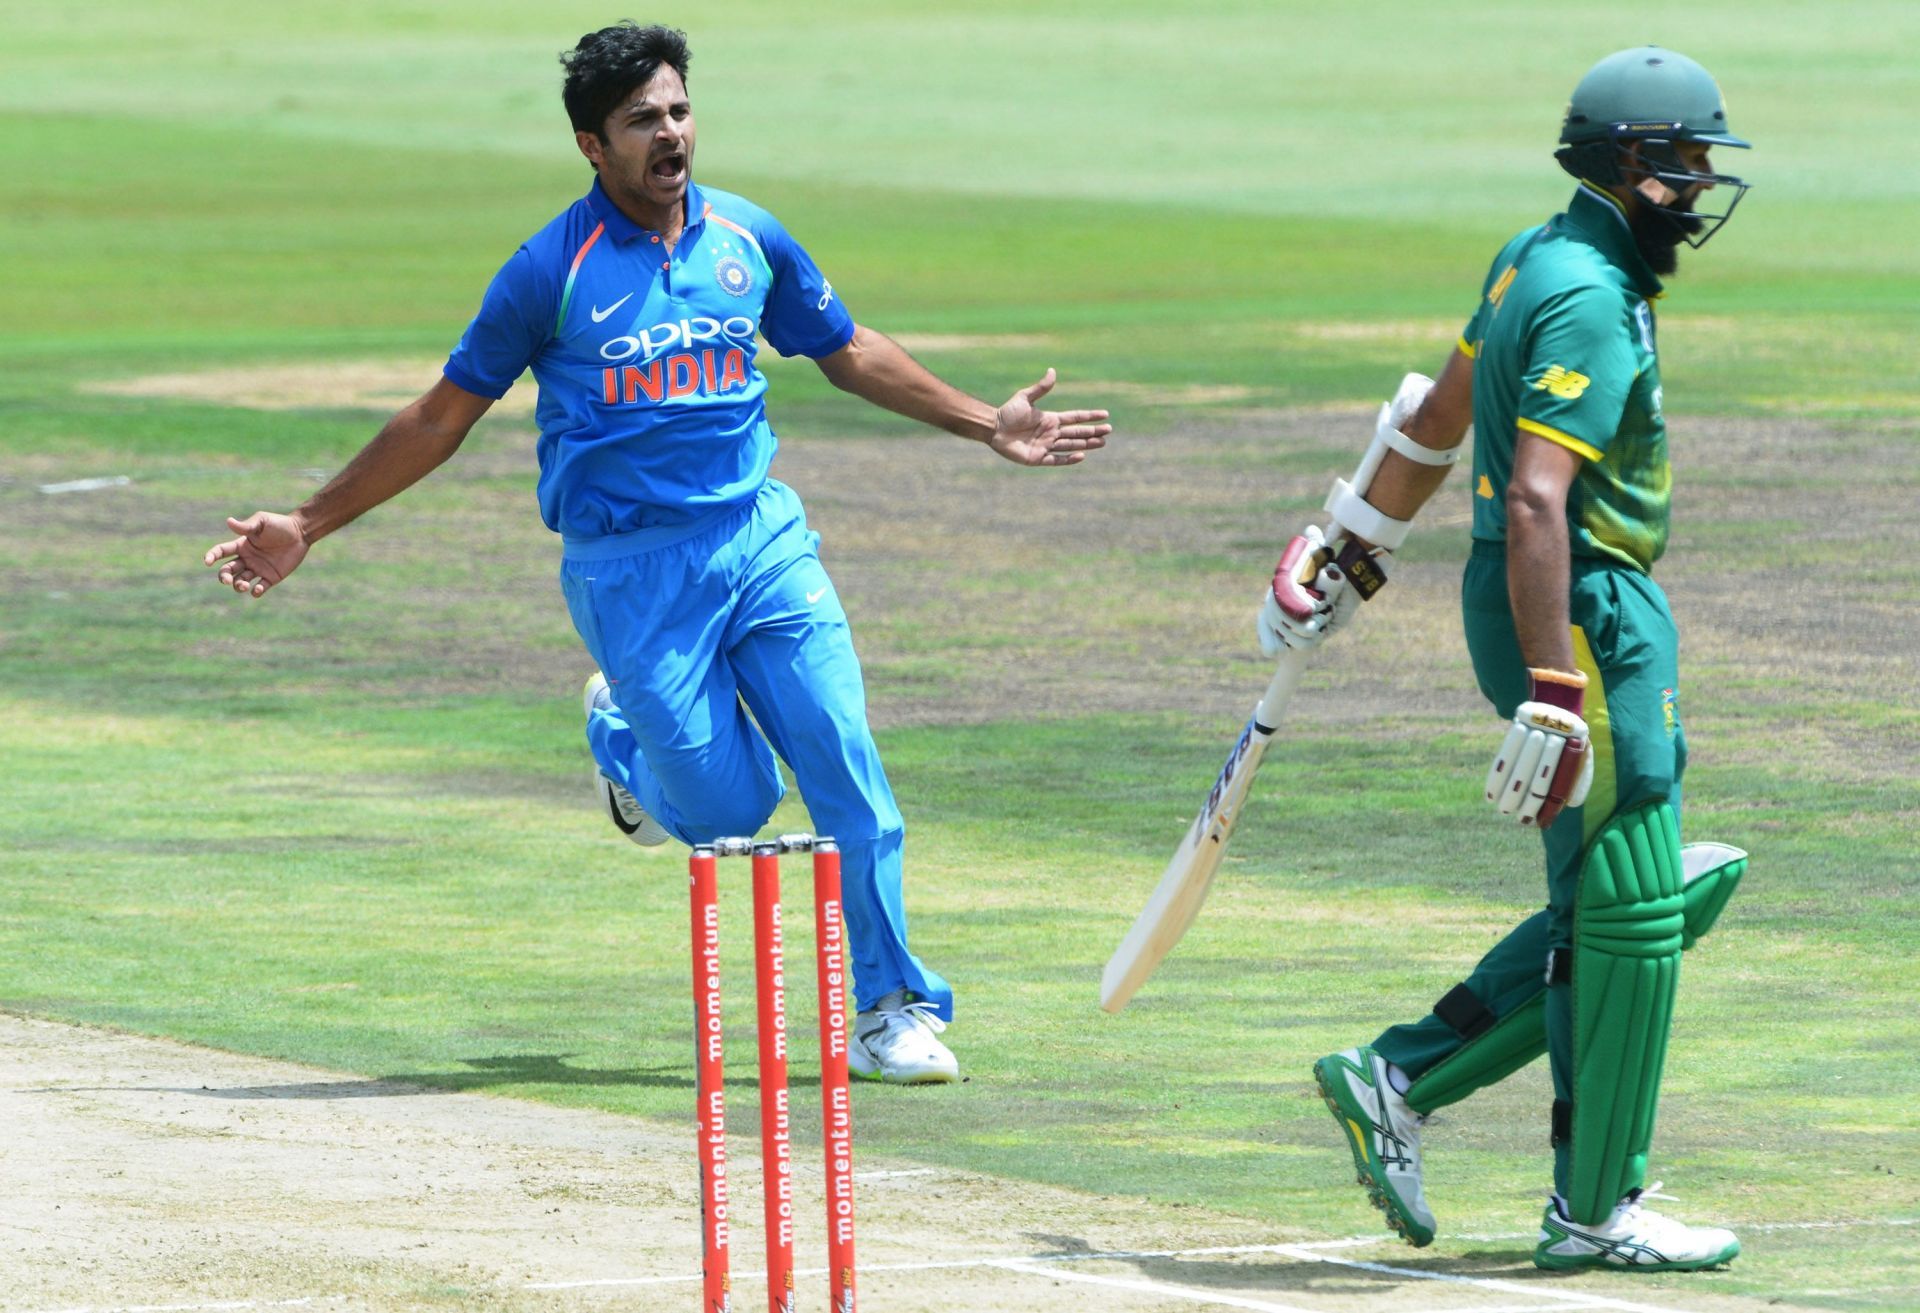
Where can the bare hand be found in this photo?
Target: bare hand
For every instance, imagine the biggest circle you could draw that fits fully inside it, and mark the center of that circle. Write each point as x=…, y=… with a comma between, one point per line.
x=270, y=547
x=1027, y=436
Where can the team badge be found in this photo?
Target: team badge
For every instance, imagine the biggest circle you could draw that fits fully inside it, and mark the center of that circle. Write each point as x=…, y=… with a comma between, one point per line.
x=734, y=277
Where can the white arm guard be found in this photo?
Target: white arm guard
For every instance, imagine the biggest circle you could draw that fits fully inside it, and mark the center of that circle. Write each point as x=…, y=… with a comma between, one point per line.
x=1347, y=503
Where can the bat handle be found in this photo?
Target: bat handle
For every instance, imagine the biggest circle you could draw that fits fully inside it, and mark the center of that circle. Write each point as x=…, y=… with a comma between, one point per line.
x=1286, y=677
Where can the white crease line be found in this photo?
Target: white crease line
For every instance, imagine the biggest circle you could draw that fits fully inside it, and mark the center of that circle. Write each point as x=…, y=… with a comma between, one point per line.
x=1310, y=1250
x=94, y=485
x=202, y=1308
x=1510, y=1308
x=1351, y=1242
x=1570, y=1299
x=894, y=1176
x=939, y=1265
x=1738, y=1228
x=1218, y=1299
x=1829, y=1226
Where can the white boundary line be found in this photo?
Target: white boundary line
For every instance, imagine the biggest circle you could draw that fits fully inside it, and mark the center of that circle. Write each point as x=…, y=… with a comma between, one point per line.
x=1052, y=1265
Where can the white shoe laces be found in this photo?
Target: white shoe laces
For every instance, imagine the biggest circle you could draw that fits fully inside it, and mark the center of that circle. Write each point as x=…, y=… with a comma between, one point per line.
x=919, y=1012
x=1656, y=1228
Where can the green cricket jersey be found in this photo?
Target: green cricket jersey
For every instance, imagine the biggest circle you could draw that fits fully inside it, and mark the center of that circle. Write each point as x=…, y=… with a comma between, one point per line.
x=1563, y=347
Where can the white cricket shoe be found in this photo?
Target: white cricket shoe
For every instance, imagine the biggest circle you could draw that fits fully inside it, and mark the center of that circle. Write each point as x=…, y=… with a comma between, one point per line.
x=899, y=1042
x=1384, y=1135
x=1634, y=1237
x=628, y=816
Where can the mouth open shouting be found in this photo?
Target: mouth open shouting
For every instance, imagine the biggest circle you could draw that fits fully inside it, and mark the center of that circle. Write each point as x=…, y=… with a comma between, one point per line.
x=644, y=153
x=668, y=170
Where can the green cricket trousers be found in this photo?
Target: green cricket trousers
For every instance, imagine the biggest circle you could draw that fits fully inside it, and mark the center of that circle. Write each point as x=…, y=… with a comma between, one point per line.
x=1624, y=640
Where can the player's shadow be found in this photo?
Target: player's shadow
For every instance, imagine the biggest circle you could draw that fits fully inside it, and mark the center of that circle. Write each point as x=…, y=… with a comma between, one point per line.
x=477, y=1074
x=1250, y=1272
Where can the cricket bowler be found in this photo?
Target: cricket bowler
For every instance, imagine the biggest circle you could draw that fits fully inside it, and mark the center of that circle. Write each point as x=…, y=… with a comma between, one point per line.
x=1571, y=640
x=691, y=575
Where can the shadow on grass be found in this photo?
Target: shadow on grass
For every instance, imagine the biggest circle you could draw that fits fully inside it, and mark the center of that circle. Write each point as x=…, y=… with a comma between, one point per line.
x=482, y=1073
x=1300, y=1269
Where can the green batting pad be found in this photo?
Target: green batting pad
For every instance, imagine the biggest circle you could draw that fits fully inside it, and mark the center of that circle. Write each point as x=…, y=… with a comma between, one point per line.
x=1628, y=926
x=1712, y=872
x=1486, y=1059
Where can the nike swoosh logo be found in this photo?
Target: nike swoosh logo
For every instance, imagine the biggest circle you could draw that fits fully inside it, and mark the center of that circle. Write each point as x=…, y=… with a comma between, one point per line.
x=815, y=596
x=599, y=315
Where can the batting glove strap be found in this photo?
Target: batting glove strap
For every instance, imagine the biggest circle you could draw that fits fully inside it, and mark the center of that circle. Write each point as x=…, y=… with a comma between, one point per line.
x=1566, y=689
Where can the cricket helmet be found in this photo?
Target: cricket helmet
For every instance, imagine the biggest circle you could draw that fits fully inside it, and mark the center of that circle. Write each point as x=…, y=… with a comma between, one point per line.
x=1651, y=98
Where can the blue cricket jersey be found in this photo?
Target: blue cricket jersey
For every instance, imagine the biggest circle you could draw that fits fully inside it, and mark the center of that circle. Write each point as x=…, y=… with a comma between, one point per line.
x=651, y=411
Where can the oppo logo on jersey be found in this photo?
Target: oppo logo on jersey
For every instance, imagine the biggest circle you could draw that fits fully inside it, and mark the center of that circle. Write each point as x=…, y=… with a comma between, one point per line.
x=710, y=369
x=650, y=342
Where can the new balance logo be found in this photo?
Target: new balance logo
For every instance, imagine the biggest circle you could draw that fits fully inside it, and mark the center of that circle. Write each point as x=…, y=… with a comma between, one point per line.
x=1562, y=383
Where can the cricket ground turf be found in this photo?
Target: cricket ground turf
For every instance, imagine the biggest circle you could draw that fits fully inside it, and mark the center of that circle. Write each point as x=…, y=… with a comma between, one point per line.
x=325, y=980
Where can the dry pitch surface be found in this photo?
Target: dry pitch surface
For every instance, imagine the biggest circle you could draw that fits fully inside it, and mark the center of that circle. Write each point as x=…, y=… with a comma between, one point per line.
x=138, y=1172
x=144, y=1174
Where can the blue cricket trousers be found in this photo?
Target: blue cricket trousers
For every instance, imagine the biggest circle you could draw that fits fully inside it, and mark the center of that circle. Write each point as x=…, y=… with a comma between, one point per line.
x=696, y=625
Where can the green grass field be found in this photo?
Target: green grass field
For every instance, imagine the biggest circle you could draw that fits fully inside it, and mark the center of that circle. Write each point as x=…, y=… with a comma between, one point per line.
x=349, y=824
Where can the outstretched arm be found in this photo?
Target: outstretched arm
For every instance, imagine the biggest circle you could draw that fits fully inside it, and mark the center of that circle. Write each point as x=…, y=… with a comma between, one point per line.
x=876, y=368
x=270, y=546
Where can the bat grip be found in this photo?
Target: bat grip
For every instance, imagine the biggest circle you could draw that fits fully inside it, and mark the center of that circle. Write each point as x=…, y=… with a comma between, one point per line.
x=1286, y=677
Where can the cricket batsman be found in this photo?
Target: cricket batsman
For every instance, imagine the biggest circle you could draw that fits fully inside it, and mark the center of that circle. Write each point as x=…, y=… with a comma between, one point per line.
x=691, y=576
x=1571, y=640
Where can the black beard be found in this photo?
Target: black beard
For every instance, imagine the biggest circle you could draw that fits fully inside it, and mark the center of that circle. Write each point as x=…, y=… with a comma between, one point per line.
x=1658, y=233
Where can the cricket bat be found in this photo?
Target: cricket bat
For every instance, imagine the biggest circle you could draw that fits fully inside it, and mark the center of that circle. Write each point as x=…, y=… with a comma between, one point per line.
x=1183, y=888
x=1181, y=891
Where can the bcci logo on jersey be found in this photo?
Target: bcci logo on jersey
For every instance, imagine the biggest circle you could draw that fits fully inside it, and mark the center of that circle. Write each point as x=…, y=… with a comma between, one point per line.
x=735, y=278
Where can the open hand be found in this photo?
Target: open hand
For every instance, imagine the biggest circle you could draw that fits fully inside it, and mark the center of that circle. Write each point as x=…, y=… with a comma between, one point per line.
x=270, y=547
x=1028, y=436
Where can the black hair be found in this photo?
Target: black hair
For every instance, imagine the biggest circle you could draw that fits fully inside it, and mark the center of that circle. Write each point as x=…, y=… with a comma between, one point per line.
x=606, y=66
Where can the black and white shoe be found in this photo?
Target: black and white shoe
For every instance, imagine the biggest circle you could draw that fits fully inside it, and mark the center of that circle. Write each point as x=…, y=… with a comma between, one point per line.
x=628, y=816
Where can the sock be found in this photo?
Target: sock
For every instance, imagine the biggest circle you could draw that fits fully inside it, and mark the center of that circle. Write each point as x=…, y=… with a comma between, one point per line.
x=1400, y=1081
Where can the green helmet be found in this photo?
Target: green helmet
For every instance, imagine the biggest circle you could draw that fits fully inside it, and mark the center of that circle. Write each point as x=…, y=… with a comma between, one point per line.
x=1628, y=113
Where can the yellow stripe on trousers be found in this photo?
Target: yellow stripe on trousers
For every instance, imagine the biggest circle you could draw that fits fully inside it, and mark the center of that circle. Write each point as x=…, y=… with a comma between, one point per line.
x=1603, y=797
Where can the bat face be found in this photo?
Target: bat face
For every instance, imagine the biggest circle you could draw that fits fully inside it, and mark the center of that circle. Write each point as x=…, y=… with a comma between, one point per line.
x=1182, y=890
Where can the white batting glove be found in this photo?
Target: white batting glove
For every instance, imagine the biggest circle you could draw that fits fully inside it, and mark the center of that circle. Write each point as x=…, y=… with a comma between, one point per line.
x=1311, y=595
x=1545, y=763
